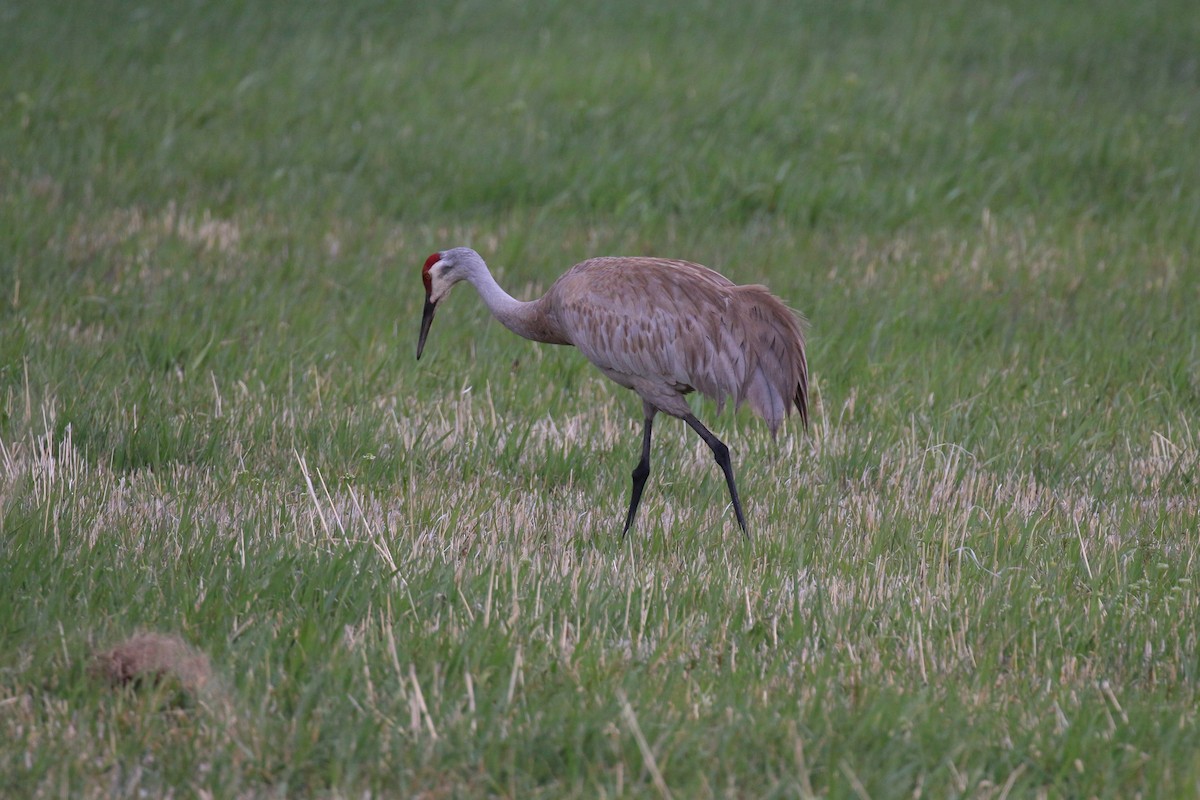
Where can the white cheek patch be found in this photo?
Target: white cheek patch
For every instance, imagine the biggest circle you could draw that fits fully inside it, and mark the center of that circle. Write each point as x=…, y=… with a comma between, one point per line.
x=439, y=287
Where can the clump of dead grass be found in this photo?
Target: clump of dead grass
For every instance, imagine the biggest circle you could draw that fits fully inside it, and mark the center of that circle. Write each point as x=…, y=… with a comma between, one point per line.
x=154, y=659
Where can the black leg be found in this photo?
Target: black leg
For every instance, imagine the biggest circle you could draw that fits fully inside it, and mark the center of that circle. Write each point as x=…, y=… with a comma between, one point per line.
x=721, y=452
x=640, y=472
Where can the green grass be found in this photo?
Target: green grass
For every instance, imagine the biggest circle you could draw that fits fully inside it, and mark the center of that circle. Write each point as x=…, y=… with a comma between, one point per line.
x=974, y=576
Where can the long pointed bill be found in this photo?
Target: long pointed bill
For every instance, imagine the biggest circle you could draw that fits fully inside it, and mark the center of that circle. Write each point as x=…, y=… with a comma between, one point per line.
x=426, y=321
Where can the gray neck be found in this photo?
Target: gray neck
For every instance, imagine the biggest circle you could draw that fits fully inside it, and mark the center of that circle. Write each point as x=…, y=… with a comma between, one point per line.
x=526, y=319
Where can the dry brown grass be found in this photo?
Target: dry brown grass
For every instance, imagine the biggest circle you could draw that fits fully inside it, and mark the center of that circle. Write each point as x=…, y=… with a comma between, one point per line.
x=154, y=659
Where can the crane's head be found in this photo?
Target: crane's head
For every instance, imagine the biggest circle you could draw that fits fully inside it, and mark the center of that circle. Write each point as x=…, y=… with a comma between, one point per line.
x=441, y=271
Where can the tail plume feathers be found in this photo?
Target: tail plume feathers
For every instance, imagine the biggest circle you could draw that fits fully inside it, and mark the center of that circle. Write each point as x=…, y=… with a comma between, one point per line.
x=776, y=375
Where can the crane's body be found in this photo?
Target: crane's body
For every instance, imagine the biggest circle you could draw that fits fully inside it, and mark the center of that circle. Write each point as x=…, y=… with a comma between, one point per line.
x=662, y=328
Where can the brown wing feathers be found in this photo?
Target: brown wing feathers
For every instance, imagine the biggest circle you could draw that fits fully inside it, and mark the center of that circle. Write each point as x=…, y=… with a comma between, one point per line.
x=691, y=326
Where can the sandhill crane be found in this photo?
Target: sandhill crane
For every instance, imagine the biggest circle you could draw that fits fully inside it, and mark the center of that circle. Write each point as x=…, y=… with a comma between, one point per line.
x=659, y=327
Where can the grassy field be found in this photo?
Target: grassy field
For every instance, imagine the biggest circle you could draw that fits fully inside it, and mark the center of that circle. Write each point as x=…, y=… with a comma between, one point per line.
x=975, y=576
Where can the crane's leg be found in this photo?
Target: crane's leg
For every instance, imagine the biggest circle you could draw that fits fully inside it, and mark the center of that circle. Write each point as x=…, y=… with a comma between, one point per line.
x=642, y=470
x=721, y=452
